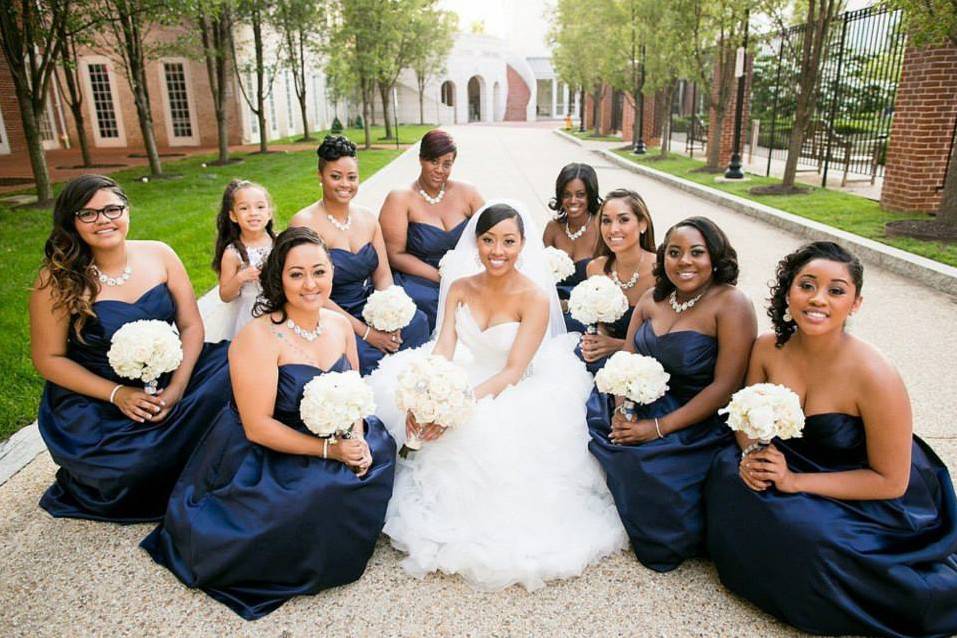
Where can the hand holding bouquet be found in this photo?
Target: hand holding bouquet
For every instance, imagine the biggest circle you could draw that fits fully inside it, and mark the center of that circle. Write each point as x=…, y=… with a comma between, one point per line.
x=145, y=350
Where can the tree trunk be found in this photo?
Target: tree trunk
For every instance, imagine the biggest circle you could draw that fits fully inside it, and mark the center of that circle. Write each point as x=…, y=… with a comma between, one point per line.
x=421, y=103
x=145, y=117
x=596, y=111
x=581, y=109
x=260, y=79
x=384, y=94
x=636, y=132
x=215, y=36
x=947, y=212
x=367, y=103
x=666, y=125
x=31, y=131
x=75, y=102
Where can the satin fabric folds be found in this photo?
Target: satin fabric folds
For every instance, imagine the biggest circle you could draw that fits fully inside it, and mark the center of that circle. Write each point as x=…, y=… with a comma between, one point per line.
x=351, y=287
x=428, y=243
x=658, y=486
x=111, y=467
x=254, y=527
x=829, y=566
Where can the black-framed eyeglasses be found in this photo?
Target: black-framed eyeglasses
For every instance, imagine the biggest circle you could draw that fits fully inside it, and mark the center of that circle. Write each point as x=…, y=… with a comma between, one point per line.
x=90, y=215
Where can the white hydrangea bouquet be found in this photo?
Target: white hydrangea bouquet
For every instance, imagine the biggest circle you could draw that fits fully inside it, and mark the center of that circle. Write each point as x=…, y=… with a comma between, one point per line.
x=635, y=377
x=435, y=390
x=145, y=350
x=559, y=263
x=765, y=410
x=389, y=310
x=333, y=402
x=597, y=300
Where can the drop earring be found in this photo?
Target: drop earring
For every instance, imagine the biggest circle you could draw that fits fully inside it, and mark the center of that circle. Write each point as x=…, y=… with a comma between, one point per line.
x=787, y=314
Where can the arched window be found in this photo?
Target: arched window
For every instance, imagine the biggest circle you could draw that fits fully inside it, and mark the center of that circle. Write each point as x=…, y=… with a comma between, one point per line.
x=448, y=93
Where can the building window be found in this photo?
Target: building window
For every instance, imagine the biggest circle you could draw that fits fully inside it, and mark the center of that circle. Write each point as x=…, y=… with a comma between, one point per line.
x=315, y=99
x=448, y=93
x=178, y=99
x=103, y=102
x=253, y=118
x=289, y=120
x=273, y=122
x=4, y=142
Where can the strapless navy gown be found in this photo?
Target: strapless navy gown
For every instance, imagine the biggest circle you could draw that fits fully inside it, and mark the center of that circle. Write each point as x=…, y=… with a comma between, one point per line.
x=254, y=527
x=658, y=486
x=111, y=467
x=429, y=243
x=564, y=288
x=827, y=566
x=351, y=287
x=618, y=330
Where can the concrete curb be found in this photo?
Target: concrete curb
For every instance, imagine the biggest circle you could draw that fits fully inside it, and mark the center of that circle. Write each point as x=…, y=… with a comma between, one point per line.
x=24, y=446
x=570, y=138
x=931, y=273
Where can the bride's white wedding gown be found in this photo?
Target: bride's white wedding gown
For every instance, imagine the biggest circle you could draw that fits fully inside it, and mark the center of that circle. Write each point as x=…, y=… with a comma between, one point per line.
x=513, y=495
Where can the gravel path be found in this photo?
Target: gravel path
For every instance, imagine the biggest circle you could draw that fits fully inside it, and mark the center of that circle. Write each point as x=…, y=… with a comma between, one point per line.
x=80, y=578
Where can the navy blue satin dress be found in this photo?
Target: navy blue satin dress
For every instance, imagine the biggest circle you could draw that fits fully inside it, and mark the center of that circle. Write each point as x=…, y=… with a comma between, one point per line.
x=428, y=243
x=658, y=486
x=618, y=330
x=829, y=566
x=351, y=287
x=111, y=467
x=254, y=527
x=565, y=290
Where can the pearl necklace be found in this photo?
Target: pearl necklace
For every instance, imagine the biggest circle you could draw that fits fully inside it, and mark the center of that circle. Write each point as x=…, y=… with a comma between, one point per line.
x=308, y=335
x=344, y=227
x=432, y=200
x=687, y=305
x=628, y=284
x=113, y=281
x=578, y=233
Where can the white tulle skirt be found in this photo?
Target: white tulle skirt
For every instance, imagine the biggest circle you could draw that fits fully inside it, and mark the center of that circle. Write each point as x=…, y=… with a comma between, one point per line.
x=511, y=497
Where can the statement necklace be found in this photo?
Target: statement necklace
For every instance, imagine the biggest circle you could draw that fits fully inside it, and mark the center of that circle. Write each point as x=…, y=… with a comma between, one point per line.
x=113, y=281
x=344, y=227
x=308, y=335
x=432, y=200
x=578, y=233
x=687, y=305
x=628, y=284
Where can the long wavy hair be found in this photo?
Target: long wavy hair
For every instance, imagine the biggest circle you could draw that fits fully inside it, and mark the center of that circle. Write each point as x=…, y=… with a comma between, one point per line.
x=228, y=232
x=589, y=178
x=68, y=260
x=787, y=270
x=724, y=258
x=638, y=206
x=272, y=299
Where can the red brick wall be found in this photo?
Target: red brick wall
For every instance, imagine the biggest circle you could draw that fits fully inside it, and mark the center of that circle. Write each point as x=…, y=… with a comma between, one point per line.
x=650, y=132
x=726, y=139
x=924, y=116
x=518, y=96
x=11, y=111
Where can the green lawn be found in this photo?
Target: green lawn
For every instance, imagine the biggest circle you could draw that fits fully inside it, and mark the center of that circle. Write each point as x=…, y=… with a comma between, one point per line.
x=179, y=212
x=408, y=134
x=589, y=135
x=852, y=213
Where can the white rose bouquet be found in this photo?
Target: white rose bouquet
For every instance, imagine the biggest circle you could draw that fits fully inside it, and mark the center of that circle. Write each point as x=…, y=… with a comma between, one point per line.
x=636, y=377
x=332, y=403
x=145, y=350
x=435, y=390
x=389, y=310
x=597, y=300
x=559, y=263
x=764, y=411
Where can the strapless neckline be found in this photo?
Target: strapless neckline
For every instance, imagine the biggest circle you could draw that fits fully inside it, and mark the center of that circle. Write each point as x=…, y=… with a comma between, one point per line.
x=440, y=228
x=332, y=367
x=135, y=301
x=468, y=311
x=349, y=252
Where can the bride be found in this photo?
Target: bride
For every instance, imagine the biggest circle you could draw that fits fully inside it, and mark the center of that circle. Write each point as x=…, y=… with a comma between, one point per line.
x=512, y=496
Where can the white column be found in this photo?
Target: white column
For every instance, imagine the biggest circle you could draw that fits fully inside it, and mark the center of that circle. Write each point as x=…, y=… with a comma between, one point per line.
x=554, y=97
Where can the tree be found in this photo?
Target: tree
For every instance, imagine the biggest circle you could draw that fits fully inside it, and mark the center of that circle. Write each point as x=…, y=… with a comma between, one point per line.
x=28, y=36
x=254, y=14
x=433, y=36
x=297, y=22
x=75, y=32
x=214, y=20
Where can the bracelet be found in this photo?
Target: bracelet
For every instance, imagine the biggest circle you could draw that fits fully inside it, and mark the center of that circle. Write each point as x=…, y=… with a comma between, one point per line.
x=658, y=429
x=366, y=335
x=325, y=448
x=754, y=447
x=115, y=390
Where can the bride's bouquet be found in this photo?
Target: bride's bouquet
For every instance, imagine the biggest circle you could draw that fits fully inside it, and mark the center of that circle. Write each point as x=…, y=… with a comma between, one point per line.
x=765, y=410
x=436, y=391
x=332, y=403
x=636, y=377
x=145, y=350
x=559, y=263
x=389, y=310
x=597, y=300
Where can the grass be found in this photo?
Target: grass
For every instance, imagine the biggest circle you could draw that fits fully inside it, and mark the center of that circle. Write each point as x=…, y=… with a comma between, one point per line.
x=179, y=212
x=852, y=213
x=588, y=135
x=408, y=134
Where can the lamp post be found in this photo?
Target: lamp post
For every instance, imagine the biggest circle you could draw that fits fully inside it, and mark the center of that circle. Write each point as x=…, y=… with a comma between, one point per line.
x=741, y=63
x=640, y=139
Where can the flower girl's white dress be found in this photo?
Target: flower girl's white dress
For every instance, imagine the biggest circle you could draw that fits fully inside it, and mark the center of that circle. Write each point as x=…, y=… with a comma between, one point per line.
x=513, y=495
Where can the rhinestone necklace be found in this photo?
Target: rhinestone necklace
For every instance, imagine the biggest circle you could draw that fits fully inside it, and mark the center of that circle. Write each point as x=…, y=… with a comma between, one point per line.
x=113, y=281
x=578, y=233
x=344, y=227
x=432, y=200
x=687, y=305
x=308, y=335
x=628, y=284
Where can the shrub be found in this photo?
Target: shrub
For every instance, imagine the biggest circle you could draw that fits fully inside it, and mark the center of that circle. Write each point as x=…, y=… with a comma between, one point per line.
x=336, y=127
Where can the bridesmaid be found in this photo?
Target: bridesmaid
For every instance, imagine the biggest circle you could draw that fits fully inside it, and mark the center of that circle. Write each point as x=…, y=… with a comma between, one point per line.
x=700, y=327
x=118, y=448
x=422, y=222
x=576, y=205
x=857, y=518
x=626, y=254
x=265, y=510
x=357, y=251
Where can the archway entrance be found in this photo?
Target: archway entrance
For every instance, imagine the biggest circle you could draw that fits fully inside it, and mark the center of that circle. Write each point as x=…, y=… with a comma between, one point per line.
x=475, y=99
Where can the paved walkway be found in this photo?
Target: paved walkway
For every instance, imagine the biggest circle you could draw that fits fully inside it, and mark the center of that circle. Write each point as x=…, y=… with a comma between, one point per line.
x=80, y=578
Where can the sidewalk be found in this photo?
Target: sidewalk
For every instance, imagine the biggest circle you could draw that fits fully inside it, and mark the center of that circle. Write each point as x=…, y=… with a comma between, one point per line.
x=83, y=578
